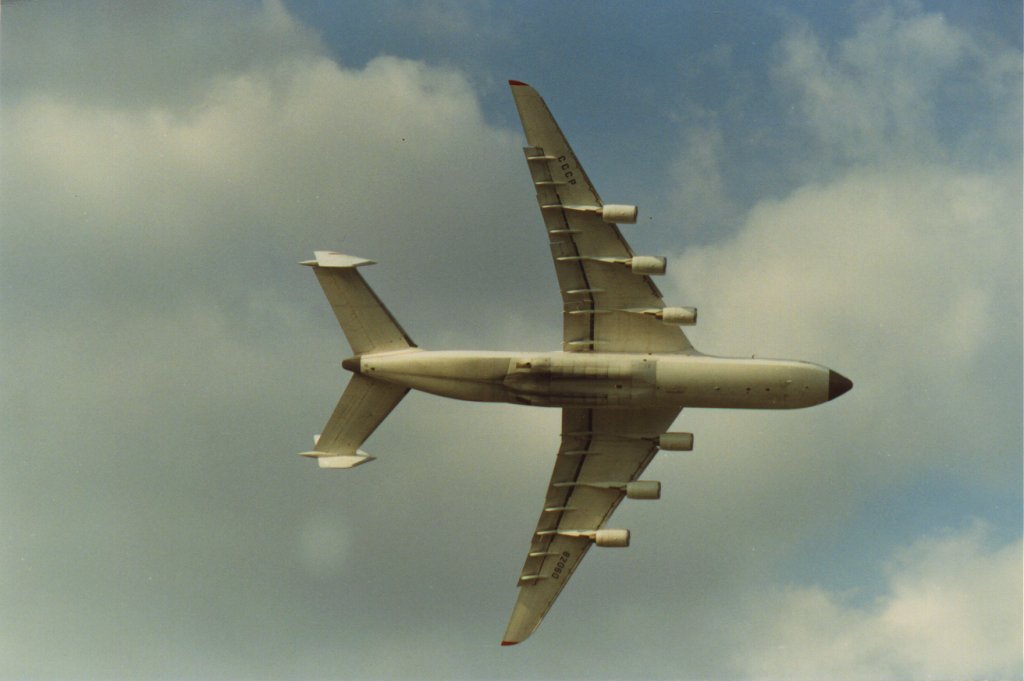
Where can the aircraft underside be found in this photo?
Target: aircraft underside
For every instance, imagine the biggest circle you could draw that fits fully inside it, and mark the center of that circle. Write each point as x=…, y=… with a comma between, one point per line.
x=562, y=379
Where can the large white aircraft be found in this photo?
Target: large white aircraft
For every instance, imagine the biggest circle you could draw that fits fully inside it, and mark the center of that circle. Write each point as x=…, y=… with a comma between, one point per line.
x=625, y=370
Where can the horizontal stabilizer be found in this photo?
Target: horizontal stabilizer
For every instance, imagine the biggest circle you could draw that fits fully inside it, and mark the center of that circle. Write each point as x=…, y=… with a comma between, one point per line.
x=340, y=461
x=363, y=405
x=335, y=259
x=366, y=322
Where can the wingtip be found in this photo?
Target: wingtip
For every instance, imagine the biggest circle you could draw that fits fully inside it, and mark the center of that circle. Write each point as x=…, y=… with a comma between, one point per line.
x=517, y=83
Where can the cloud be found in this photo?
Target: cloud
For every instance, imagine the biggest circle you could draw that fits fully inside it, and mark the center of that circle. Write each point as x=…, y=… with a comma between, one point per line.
x=146, y=55
x=875, y=246
x=274, y=160
x=951, y=609
x=903, y=78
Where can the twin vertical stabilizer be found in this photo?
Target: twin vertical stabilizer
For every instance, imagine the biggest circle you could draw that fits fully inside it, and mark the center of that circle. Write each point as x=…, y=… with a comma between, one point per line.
x=369, y=328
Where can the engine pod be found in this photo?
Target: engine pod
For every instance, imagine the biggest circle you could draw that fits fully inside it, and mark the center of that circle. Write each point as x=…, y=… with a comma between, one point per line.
x=643, y=489
x=612, y=538
x=676, y=442
x=614, y=212
x=647, y=264
x=679, y=316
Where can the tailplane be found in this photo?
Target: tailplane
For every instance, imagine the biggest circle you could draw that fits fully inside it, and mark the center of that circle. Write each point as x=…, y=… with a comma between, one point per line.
x=367, y=324
x=364, y=404
x=369, y=328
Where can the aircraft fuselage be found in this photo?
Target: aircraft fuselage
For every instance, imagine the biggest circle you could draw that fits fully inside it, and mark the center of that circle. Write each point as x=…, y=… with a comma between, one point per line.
x=595, y=379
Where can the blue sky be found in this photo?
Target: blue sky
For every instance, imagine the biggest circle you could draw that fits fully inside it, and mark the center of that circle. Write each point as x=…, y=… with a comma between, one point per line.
x=835, y=184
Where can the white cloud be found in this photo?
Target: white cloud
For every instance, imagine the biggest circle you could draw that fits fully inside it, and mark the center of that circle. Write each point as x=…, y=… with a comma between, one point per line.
x=951, y=609
x=909, y=258
x=393, y=161
x=902, y=77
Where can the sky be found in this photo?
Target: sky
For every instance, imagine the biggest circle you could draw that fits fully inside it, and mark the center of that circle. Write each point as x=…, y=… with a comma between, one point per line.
x=839, y=183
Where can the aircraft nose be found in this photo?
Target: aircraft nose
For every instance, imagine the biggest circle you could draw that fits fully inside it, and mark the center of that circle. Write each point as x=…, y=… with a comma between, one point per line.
x=837, y=384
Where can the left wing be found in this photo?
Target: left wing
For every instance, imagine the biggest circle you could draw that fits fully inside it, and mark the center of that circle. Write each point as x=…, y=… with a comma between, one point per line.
x=602, y=450
x=609, y=302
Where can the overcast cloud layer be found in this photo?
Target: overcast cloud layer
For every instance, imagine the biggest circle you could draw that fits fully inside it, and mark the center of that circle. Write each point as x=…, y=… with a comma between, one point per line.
x=163, y=356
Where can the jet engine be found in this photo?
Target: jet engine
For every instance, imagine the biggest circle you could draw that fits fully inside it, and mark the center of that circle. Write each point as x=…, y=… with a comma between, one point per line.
x=678, y=316
x=612, y=538
x=676, y=442
x=614, y=212
x=647, y=264
x=643, y=489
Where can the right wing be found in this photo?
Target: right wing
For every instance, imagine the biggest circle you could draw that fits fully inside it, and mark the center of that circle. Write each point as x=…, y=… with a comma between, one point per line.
x=602, y=450
x=609, y=302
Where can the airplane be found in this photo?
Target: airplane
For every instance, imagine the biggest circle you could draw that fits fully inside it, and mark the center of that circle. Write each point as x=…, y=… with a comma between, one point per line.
x=624, y=373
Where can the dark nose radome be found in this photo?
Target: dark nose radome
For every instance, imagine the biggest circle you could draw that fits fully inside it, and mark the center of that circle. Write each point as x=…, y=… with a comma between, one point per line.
x=837, y=384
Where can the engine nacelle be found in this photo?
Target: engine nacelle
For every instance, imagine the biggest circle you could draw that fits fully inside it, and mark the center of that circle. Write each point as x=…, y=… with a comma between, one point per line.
x=676, y=442
x=614, y=212
x=678, y=316
x=643, y=489
x=612, y=538
x=647, y=264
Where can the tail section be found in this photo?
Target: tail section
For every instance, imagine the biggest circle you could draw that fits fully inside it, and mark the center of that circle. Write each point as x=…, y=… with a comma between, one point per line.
x=369, y=328
x=363, y=405
x=367, y=324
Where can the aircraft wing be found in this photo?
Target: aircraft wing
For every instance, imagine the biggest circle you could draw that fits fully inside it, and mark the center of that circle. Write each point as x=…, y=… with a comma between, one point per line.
x=609, y=301
x=601, y=451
